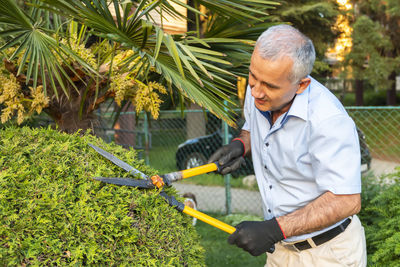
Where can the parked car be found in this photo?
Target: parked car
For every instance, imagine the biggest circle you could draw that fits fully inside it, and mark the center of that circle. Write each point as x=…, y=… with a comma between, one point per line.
x=195, y=152
x=365, y=154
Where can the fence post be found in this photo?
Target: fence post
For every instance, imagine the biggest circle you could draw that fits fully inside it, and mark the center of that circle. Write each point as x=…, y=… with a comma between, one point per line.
x=227, y=177
x=146, y=139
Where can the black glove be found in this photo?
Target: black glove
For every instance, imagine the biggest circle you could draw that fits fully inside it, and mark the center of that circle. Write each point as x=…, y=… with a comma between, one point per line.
x=229, y=157
x=257, y=237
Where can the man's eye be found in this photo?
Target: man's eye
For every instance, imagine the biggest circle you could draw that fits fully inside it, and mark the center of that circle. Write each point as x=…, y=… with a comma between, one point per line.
x=265, y=85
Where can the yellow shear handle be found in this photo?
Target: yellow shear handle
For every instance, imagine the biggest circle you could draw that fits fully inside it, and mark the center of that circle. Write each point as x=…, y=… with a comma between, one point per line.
x=199, y=170
x=209, y=220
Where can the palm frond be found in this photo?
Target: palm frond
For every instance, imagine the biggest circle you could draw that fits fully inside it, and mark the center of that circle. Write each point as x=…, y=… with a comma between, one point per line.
x=41, y=51
x=200, y=69
x=184, y=71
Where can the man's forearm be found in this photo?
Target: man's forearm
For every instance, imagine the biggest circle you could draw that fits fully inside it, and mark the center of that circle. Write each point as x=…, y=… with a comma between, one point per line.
x=320, y=213
x=245, y=137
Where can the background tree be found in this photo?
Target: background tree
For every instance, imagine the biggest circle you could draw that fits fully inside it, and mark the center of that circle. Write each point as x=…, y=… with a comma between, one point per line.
x=375, y=56
x=316, y=19
x=44, y=49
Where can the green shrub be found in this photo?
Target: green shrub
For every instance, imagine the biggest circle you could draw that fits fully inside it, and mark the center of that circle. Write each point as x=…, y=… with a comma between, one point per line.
x=53, y=213
x=371, y=98
x=349, y=99
x=375, y=98
x=381, y=218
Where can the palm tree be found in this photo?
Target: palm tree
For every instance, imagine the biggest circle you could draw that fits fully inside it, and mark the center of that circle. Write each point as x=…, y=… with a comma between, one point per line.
x=49, y=65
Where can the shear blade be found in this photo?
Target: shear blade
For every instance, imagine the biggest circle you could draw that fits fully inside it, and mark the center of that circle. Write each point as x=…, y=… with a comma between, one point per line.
x=126, y=182
x=118, y=162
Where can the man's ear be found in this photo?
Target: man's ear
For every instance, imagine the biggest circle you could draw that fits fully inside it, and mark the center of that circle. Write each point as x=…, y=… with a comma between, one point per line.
x=303, y=84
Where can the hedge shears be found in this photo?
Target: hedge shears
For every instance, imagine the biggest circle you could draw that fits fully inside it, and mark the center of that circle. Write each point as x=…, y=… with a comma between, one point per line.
x=159, y=181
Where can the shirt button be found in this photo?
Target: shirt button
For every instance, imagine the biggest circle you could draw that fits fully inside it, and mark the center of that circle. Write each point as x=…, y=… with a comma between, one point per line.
x=265, y=167
x=269, y=210
x=267, y=144
x=270, y=187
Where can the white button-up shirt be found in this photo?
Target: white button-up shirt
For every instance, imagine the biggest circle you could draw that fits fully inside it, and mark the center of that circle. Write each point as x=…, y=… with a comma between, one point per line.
x=311, y=149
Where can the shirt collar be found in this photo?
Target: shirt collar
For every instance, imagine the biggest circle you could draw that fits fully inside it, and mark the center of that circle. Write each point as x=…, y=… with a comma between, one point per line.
x=267, y=115
x=299, y=107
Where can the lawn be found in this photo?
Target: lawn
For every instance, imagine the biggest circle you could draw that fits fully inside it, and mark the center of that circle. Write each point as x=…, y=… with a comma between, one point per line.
x=219, y=252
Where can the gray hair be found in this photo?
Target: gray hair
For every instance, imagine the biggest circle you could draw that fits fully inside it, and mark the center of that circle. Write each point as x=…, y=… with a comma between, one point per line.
x=284, y=40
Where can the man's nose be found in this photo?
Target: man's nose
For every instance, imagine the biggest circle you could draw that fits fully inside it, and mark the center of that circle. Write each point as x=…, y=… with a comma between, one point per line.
x=256, y=91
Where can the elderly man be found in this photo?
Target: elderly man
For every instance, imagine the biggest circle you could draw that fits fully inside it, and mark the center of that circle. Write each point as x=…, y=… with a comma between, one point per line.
x=306, y=158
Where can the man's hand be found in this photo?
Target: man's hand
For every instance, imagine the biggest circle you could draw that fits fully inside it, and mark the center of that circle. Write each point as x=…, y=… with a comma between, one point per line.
x=257, y=237
x=229, y=157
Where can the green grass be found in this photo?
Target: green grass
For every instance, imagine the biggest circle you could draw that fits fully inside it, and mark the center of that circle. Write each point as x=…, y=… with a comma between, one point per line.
x=162, y=158
x=219, y=252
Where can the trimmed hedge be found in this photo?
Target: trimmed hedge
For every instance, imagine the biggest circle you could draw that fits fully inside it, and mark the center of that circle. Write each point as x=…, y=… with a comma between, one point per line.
x=371, y=98
x=381, y=219
x=53, y=213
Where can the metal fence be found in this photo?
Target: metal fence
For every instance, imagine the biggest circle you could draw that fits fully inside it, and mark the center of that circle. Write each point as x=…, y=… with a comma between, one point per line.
x=181, y=140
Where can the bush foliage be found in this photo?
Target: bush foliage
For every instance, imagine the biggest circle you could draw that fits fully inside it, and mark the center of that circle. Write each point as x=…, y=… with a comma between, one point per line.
x=53, y=213
x=381, y=219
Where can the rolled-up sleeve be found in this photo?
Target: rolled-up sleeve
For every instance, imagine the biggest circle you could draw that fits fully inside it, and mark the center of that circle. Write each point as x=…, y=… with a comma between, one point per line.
x=335, y=153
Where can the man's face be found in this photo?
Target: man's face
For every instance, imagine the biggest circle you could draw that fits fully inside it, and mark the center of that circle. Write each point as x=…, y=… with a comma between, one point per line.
x=270, y=84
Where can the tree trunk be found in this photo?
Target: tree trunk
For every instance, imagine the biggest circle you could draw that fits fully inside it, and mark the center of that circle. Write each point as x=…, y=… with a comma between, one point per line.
x=343, y=91
x=69, y=122
x=125, y=127
x=391, y=93
x=391, y=97
x=359, y=84
x=191, y=23
x=65, y=111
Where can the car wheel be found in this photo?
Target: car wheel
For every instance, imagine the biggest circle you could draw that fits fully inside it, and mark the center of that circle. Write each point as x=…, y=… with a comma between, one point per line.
x=194, y=159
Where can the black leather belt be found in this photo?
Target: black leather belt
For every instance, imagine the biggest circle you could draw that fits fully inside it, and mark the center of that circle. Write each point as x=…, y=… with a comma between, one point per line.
x=324, y=237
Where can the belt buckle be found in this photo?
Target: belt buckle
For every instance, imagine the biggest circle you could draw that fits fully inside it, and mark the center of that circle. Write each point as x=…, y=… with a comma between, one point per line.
x=290, y=247
x=301, y=245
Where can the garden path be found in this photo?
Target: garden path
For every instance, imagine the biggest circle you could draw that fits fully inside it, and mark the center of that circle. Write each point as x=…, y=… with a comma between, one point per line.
x=212, y=198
